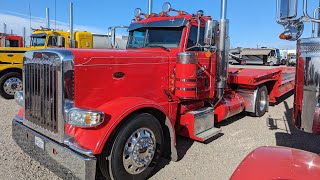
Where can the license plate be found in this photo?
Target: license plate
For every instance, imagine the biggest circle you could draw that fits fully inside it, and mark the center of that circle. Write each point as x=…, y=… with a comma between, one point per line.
x=39, y=142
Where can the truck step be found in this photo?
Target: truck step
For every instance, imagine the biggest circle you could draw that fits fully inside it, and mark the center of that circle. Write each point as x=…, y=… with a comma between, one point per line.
x=208, y=133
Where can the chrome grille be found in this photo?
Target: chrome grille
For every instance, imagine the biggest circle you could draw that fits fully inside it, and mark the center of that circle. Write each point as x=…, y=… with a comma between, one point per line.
x=47, y=75
x=41, y=93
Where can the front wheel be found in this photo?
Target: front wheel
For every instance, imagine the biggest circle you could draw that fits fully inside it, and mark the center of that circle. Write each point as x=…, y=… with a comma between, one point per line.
x=135, y=151
x=9, y=84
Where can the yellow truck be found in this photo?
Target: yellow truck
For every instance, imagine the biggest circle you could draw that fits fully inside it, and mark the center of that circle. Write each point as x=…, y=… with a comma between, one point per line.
x=11, y=58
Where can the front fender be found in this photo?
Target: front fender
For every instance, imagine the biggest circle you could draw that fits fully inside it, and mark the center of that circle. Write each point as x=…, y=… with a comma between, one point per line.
x=4, y=66
x=115, y=111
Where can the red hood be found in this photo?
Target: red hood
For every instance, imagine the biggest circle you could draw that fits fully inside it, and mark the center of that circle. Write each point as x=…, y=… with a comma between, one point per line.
x=99, y=56
x=278, y=163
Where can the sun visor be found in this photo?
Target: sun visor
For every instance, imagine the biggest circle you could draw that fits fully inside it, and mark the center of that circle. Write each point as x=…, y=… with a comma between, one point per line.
x=39, y=35
x=179, y=22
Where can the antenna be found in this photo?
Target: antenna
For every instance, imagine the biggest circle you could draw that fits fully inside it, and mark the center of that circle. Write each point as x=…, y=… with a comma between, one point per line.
x=55, y=14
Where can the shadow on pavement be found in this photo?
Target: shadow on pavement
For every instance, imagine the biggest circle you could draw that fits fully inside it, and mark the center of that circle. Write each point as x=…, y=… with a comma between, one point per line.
x=293, y=137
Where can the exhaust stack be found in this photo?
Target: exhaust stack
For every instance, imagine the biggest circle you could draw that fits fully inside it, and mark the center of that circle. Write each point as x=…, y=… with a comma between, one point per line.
x=4, y=28
x=47, y=18
x=71, y=45
x=149, y=7
x=223, y=50
x=24, y=36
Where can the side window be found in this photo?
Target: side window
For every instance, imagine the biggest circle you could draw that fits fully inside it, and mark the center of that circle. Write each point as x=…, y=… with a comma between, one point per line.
x=53, y=41
x=14, y=43
x=136, y=39
x=192, y=41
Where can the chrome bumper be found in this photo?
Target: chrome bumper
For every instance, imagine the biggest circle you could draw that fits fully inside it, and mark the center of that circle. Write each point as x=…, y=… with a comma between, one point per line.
x=61, y=160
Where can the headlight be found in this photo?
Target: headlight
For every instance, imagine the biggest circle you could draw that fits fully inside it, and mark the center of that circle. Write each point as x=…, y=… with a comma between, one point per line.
x=18, y=96
x=84, y=118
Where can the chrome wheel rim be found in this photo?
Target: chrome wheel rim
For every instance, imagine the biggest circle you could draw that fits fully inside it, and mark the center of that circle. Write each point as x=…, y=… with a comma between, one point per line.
x=263, y=100
x=139, y=151
x=12, y=85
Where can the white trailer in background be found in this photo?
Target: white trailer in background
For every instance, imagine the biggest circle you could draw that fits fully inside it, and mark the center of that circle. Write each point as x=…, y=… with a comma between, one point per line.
x=104, y=41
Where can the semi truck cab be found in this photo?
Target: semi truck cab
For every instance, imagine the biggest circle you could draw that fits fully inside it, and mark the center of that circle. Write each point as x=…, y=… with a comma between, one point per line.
x=118, y=111
x=7, y=40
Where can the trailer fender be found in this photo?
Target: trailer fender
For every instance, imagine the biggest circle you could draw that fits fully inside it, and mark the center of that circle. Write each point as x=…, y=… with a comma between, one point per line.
x=119, y=110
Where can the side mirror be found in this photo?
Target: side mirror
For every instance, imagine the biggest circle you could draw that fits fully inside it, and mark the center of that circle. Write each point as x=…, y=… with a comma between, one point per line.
x=293, y=30
x=210, y=32
x=60, y=41
x=288, y=9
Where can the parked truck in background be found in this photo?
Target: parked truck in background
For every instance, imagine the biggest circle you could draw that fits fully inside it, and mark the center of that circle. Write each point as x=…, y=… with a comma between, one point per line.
x=283, y=56
x=10, y=40
x=282, y=162
x=118, y=111
x=261, y=56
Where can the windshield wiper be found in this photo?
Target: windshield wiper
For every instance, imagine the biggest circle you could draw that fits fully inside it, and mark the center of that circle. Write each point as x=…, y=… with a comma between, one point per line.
x=159, y=46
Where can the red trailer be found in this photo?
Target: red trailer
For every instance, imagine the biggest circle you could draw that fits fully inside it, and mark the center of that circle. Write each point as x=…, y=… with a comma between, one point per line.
x=118, y=111
x=7, y=40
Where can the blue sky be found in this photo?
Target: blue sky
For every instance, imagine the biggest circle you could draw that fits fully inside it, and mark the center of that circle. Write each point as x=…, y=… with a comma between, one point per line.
x=252, y=22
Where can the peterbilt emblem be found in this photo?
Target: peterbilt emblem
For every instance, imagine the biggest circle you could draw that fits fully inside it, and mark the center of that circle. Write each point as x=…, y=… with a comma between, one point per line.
x=118, y=75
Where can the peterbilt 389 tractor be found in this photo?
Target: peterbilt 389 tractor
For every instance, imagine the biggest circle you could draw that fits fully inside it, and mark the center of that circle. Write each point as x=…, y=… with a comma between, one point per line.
x=116, y=112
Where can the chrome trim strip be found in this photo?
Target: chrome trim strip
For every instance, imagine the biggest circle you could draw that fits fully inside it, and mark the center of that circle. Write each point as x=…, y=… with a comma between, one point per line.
x=186, y=80
x=186, y=89
x=70, y=142
x=229, y=108
x=18, y=118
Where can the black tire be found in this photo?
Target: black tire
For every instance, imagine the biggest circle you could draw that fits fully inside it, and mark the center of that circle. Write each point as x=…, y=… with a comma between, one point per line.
x=114, y=166
x=260, y=108
x=3, y=79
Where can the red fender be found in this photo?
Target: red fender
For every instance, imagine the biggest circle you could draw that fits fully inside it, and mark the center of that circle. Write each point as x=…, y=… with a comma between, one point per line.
x=115, y=111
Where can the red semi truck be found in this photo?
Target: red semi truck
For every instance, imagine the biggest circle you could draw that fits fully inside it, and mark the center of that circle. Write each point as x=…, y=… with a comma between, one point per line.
x=118, y=111
x=282, y=162
x=7, y=40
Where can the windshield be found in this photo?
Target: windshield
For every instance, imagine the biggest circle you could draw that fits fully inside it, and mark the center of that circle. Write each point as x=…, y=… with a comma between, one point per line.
x=155, y=37
x=12, y=43
x=38, y=41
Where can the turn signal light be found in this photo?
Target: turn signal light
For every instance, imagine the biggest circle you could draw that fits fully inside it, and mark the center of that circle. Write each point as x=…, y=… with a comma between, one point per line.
x=285, y=36
x=161, y=14
x=282, y=36
x=180, y=13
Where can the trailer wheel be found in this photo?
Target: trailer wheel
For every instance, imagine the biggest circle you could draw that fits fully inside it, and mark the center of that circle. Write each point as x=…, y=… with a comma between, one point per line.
x=135, y=151
x=9, y=84
x=261, y=102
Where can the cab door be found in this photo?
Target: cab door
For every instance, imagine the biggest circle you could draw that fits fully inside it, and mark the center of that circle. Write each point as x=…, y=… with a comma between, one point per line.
x=206, y=63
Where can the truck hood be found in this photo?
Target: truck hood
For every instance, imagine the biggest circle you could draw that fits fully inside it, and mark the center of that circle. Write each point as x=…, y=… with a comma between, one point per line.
x=99, y=56
x=278, y=163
